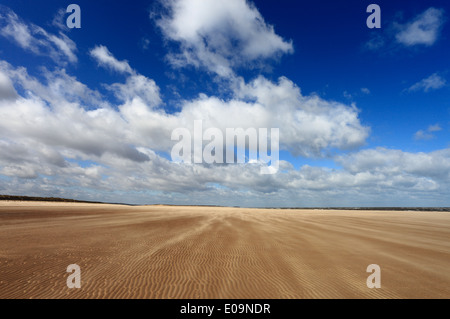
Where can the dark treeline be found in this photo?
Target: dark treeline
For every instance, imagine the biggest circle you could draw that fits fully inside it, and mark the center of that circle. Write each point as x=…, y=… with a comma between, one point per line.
x=42, y=199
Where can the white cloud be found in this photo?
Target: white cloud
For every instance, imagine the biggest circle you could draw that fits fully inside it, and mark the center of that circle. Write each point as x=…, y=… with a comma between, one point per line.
x=46, y=132
x=308, y=125
x=428, y=133
x=138, y=86
x=433, y=166
x=422, y=30
x=423, y=135
x=55, y=88
x=433, y=82
x=55, y=112
x=365, y=90
x=59, y=19
x=7, y=90
x=400, y=178
x=48, y=126
x=106, y=59
x=35, y=39
x=64, y=44
x=219, y=35
x=61, y=113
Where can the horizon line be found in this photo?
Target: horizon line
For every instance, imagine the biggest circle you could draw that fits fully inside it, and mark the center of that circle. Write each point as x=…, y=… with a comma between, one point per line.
x=68, y=200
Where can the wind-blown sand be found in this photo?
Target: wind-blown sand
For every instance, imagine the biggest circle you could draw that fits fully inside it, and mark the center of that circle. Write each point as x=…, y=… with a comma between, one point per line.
x=210, y=252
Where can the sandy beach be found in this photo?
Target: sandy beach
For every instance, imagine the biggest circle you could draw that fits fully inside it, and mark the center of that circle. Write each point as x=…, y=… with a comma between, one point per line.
x=212, y=252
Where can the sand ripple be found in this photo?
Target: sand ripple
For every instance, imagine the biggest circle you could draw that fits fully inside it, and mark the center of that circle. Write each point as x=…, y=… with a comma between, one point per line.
x=205, y=252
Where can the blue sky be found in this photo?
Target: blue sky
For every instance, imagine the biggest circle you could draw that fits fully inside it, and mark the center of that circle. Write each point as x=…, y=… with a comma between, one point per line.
x=363, y=113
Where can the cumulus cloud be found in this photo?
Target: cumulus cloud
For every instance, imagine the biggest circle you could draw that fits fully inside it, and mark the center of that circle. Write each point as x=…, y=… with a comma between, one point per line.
x=422, y=30
x=137, y=86
x=63, y=112
x=219, y=35
x=59, y=113
x=433, y=166
x=35, y=39
x=308, y=125
x=106, y=59
x=433, y=82
x=47, y=132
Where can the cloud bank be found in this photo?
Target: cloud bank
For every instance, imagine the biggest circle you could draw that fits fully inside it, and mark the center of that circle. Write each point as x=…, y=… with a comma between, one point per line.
x=61, y=138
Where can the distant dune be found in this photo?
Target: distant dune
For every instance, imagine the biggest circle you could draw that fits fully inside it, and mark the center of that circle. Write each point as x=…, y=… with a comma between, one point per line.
x=216, y=252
